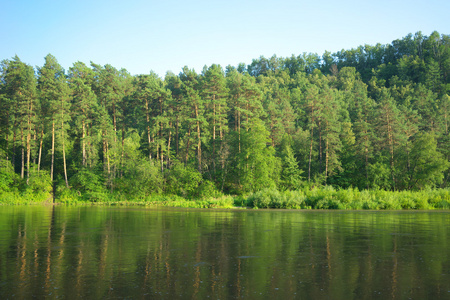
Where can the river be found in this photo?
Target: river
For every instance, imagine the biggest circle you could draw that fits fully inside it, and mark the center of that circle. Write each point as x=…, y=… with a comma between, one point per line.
x=167, y=253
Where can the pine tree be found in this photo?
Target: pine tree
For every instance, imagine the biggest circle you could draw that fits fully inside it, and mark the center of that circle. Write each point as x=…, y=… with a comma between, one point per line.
x=388, y=128
x=55, y=102
x=215, y=93
x=194, y=106
x=20, y=88
x=291, y=174
x=84, y=112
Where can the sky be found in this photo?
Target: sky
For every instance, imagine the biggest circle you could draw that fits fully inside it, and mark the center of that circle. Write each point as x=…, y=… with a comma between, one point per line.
x=160, y=36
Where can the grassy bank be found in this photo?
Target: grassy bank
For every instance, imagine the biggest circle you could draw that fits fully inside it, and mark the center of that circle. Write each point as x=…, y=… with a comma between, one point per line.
x=329, y=198
x=318, y=198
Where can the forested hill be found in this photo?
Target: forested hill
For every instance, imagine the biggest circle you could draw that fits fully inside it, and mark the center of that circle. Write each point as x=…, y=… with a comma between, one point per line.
x=371, y=117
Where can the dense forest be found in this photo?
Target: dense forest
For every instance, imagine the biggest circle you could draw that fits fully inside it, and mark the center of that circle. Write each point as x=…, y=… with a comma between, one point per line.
x=373, y=117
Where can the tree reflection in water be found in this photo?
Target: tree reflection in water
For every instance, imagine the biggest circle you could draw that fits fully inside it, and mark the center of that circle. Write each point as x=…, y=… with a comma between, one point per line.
x=98, y=252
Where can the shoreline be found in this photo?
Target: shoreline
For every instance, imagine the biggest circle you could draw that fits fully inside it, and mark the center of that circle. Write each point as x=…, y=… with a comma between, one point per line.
x=325, y=198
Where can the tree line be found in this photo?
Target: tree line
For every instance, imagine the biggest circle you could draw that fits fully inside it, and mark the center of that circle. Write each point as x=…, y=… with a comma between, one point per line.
x=374, y=117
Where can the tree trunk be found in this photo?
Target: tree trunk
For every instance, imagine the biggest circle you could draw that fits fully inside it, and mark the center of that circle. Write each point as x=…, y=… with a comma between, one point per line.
x=320, y=148
x=64, y=163
x=366, y=150
x=22, y=169
x=7, y=144
x=108, y=167
x=14, y=151
x=53, y=151
x=199, y=142
x=168, y=145
x=64, y=149
x=220, y=125
x=326, y=161
x=123, y=149
x=176, y=135
x=239, y=131
x=148, y=130
x=40, y=150
x=391, y=149
x=28, y=155
x=83, y=137
x=214, y=140
x=310, y=155
x=187, y=146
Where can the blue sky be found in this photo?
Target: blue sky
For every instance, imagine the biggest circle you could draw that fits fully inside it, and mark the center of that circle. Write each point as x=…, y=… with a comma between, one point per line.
x=166, y=35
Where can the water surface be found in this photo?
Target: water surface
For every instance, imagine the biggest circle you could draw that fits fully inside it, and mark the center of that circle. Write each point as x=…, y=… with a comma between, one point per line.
x=104, y=252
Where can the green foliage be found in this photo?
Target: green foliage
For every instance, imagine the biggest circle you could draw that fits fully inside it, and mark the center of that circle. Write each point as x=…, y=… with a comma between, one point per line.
x=183, y=181
x=258, y=165
x=427, y=165
x=271, y=198
x=373, y=117
x=291, y=175
x=330, y=198
x=89, y=184
x=7, y=175
x=39, y=183
x=379, y=176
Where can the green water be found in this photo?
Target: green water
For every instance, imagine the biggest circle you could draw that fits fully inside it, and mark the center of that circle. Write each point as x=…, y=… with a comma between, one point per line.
x=140, y=253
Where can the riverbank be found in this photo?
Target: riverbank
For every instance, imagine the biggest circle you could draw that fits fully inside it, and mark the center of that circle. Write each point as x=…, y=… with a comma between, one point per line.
x=317, y=198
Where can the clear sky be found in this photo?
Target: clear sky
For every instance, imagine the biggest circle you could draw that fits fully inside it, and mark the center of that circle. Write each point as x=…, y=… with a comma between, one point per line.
x=163, y=35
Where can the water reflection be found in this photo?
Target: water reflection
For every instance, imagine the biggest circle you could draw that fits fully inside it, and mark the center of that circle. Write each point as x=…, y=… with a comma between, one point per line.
x=99, y=252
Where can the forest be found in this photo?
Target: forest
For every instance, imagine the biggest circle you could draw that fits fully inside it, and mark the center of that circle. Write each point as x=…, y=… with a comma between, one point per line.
x=369, y=118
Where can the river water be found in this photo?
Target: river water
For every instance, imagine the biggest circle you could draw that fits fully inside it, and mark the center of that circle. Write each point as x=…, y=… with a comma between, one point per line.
x=160, y=253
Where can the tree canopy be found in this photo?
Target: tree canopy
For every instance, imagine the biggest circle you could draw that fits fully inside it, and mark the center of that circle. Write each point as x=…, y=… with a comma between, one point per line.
x=370, y=117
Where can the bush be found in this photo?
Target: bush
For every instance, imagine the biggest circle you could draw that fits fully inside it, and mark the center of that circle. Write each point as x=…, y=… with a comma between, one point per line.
x=271, y=198
x=89, y=185
x=183, y=181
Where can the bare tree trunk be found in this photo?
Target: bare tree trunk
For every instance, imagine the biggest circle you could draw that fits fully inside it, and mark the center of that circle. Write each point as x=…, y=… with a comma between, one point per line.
x=320, y=147
x=239, y=130
x=14, y=151
x=53, y=151
x=176, y=136
x=391, y=149
x=28, y=155
x=122, y=154
x=310, y=155
x=64, y=151
x=23, y=156
x=83, y=137
x=115, y=142
x=187, y=146
x=64, y=163
x=40, y=150
x=366, y=150
x=220, y=125
x=108, y=166
x=7, y=145
x=326, y=161
x=168, y=147
x=29, y=140
x=199, y=142
x=214, y=139
x=148, y=130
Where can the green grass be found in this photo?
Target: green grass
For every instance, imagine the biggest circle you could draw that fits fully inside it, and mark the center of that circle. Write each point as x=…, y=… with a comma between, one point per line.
x=317, y=198
x=330, y=198
x=27, y=198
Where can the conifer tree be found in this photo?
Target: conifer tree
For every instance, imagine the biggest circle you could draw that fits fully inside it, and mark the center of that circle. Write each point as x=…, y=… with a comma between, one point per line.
x=55, y=102
x=194, y=106
x=20, y=88
x=84, y=112
x=388, y=128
